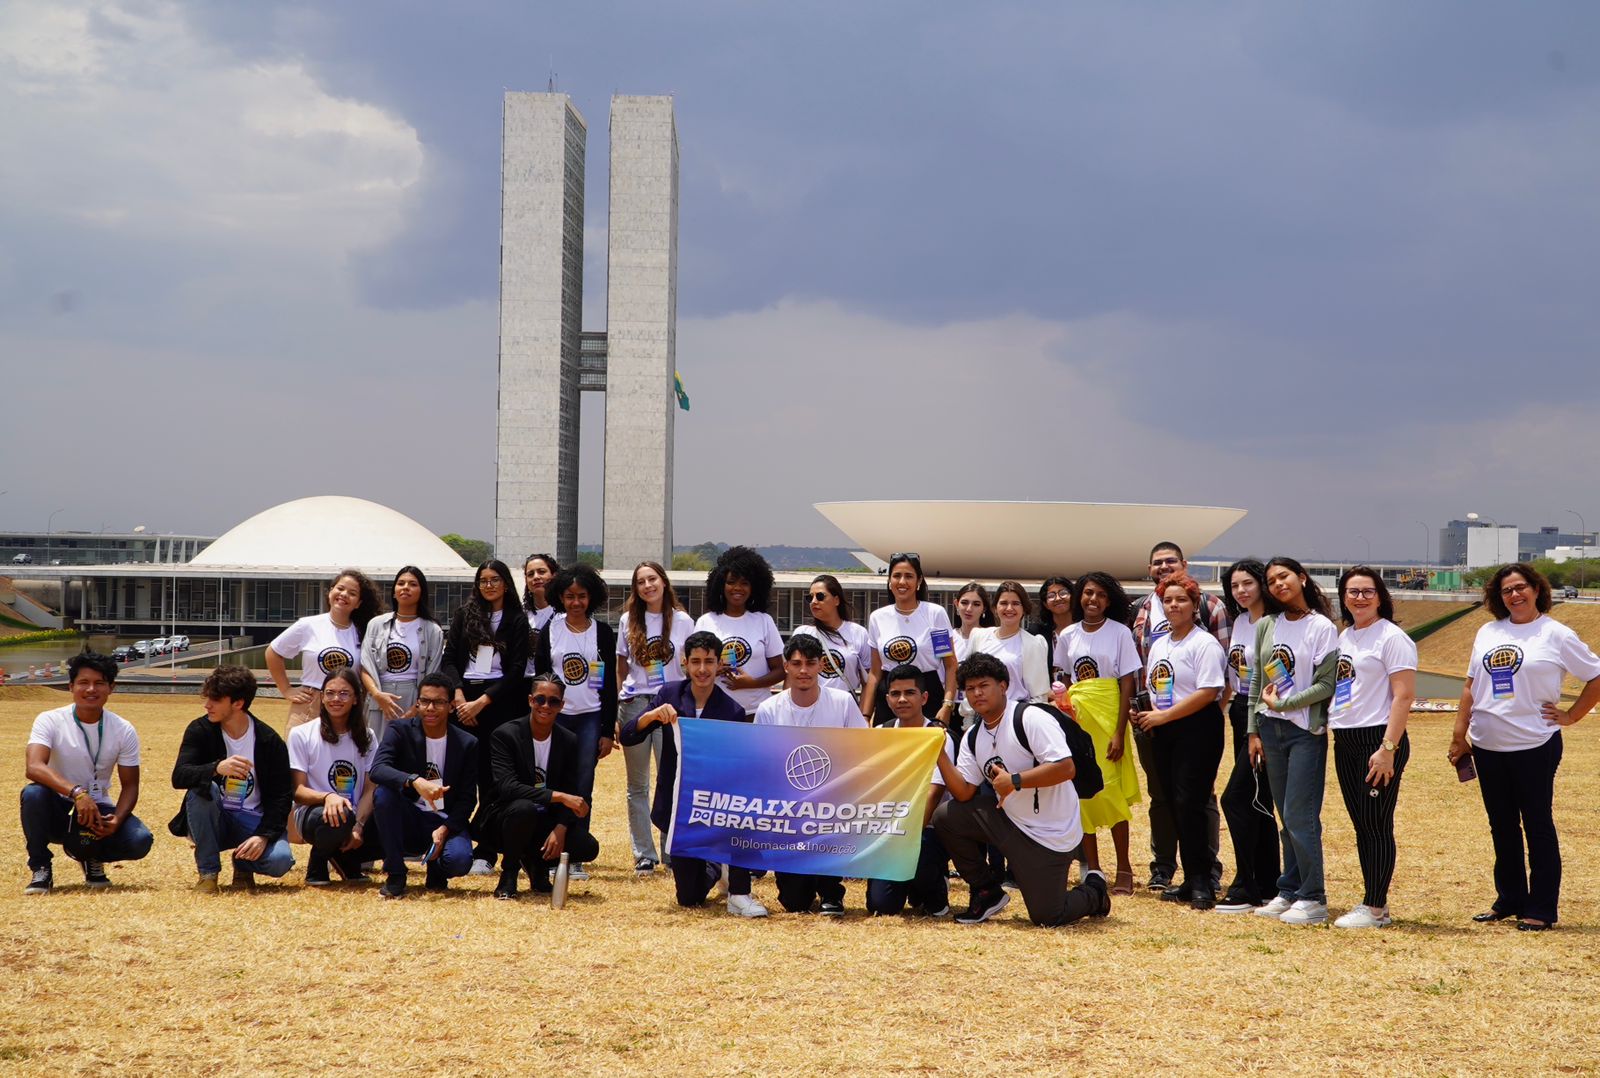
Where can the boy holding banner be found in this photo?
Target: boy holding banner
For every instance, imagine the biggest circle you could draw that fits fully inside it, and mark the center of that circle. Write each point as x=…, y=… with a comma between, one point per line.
x=929, y=891
x=1015, y=793
x=807, y=702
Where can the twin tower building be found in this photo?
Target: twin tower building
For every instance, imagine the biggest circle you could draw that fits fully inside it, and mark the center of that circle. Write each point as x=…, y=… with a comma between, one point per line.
x=546, y=359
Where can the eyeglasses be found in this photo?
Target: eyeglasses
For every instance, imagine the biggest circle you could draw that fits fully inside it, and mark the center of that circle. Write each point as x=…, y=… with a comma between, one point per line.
x=545, y=701
x=339, y=694
x=491, y=582
x=819, y=596
x=1514, y=589
x=1361, y=593
x=1057, y=596
x=429, y=705
x=1163, y=561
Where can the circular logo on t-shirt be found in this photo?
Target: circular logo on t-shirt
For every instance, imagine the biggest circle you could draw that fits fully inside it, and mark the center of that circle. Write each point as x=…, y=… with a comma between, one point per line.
x=1345, y=670
x=1285, y=656
x=1506, y=659
x=736, y=651
x=990, y=764
x=574, y=669
x=331, y=660
x=832, y=664
x=538, y=775
x=658, y=649
x=342, y=779
x=397, y=657
x=1162, y=628
x=430, y=772
x=1236, y=660
x=1084, y=668
x=902, y=649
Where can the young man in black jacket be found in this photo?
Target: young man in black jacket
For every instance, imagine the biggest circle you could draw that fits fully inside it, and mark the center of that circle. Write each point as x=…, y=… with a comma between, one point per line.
x=236, y=771
x=534, y=762
x=425, y=780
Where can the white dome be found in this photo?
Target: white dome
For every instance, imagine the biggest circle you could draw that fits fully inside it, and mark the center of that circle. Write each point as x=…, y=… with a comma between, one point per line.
x=330, y=532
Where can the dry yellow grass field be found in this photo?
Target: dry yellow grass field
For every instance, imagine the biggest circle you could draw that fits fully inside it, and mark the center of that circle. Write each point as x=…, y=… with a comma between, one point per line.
x=150, y=978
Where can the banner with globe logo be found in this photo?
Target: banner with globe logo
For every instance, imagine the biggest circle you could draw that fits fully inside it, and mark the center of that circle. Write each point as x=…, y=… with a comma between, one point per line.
x=795, y=799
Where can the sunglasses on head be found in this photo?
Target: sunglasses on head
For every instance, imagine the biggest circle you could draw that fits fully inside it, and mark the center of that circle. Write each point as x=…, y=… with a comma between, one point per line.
x=905, y=555
x=545, y=701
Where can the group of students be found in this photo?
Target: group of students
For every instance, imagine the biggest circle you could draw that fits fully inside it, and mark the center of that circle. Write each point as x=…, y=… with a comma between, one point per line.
x=387, y=724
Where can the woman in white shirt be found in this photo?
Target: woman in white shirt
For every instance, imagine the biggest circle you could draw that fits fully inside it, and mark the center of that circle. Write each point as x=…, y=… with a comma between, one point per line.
x=738, y=589
x=328, y=764
x=1293, y=659
x=650, y=640
x=1055, y=613
x=1373, y=688
x=537, y=572
x=1184, y=671
x=398, y=650
x=914, y=631
x=1511, y=709
x=846, y=653
x=1247, y=799
x=973, y=611
x=1026, y=655
x=325, y=643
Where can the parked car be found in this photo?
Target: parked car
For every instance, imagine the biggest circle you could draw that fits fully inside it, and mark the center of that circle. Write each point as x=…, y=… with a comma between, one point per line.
x=178, y=643
x=1569, y=592
x=124, y=654
x=142, y=648
x=22, y=559
x=158, y=646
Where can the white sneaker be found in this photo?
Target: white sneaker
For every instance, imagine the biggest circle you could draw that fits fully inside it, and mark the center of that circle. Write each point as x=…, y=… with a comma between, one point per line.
x=1305, y=912
x=745, y=906
x=720, y=889
x=1235, y=907
x=1364, y=917
x=480, y=867
x=1276, y=908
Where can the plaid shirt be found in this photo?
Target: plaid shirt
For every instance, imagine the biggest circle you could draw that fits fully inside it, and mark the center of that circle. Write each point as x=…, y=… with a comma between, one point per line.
x=1213, y=615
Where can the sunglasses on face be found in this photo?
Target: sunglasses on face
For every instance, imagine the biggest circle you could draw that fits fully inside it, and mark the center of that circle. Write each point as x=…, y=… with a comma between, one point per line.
x=545, y=701
x=819, y=597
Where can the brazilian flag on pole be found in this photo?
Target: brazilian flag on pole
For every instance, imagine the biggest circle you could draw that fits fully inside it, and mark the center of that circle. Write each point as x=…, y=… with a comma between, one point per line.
x=677, y=387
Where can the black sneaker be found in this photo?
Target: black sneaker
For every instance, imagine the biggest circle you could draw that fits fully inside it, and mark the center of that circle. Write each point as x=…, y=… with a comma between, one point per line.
x=94, y=875
x=40, y=883
x=644, y=866
x=985, y=904
x=831, y=909
x=1159, y=881
x=1176, y=893
x=507, y=887
x=394, y=886
x=1095, y=882
x=317, y=870
x=435, y=878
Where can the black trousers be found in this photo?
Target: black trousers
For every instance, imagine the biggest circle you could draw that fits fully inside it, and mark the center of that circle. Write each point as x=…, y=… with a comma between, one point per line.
x=1518, y=794
x=523, y=828
x=928, y=891
x=1158, y=807
x=693, y=878
x=797, y=891
x=1187, y=754
x=510, y=704
x=968, y=828
x=1372, y=816
x=1247, y=806
x=324, y=838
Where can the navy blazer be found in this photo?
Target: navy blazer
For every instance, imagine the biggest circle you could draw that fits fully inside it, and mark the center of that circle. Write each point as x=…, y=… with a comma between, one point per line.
x=404, y=753
x=680, y=694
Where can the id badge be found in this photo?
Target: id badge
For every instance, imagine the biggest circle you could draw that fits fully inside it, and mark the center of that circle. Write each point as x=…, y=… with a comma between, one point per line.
x=941, y=643
x=730, y=655
x=597, y=674
x=1279, y=675
x=1503, y=682
x=655, y=673
x=1341, y=693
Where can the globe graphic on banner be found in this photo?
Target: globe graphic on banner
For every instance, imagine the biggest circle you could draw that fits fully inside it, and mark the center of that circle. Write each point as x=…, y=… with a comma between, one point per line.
x=807, y=767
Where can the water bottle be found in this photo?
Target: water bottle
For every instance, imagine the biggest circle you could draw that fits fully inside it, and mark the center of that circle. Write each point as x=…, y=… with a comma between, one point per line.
x=558, y=892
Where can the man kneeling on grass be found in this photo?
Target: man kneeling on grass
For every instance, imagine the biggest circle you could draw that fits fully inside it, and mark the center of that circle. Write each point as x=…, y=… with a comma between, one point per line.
x=1019, y=797
x=236, y=771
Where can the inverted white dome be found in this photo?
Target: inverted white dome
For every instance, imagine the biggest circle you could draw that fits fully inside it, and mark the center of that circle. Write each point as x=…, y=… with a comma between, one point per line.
x=330, y=532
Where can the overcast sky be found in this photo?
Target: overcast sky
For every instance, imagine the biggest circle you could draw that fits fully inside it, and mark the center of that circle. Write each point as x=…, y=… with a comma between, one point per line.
x=1333, y=264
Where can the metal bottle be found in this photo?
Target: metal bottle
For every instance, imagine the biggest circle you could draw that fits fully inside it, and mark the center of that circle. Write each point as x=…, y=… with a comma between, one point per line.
x=558, y=891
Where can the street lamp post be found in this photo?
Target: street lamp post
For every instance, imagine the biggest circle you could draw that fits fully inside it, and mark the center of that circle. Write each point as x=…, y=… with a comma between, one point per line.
x=1583, y=543
x=49, y=533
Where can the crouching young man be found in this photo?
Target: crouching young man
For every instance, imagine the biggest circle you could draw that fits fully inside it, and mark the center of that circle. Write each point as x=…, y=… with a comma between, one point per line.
x=236, y=771
x=929, y=891
x=425, y=780
x=1019, y=798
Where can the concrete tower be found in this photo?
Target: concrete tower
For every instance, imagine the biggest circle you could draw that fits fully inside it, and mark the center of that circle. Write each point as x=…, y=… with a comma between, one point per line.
x=541, y=311
x=641, y=331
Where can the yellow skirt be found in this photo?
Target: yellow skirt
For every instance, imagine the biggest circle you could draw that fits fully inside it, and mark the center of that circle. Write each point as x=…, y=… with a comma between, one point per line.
x=1095, y=703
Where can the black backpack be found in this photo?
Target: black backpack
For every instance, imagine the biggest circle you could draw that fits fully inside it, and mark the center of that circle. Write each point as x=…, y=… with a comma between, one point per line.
x=1086, y=777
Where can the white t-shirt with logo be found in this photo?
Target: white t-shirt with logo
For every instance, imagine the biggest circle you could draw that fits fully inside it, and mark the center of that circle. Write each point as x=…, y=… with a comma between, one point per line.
x=748, y=641
x=849, y=654
x=87, y=763
x=1297, y=648
x=834, y=708
x=1107, y=651
x=400, y=658
x=1047, y=815
x=576, y=660
x=1241, y=643
x=433, y=768
x=324, y=648
x=241, y=795
x=1009, y=651
x=663, y=658
x=484, y=665
x=1514, y=670
x=1175, y=669
x=541, y=763
x=338, y=768
x=1368, y=657
x=921, y=638
x=537, y=620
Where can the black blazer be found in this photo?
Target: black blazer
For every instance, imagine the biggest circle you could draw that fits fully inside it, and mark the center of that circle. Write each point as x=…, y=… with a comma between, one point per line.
x=404, y=753
x=512, y=767
x=511, y=641
x=203, y=749
x=605, y=639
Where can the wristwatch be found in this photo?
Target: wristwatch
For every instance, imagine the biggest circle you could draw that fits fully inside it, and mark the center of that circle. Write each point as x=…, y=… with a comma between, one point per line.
x=1016, y=780
x=1389, y=746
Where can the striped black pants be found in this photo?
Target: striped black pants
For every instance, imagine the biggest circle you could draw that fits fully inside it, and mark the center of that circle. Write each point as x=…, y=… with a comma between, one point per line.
x=1373, y=817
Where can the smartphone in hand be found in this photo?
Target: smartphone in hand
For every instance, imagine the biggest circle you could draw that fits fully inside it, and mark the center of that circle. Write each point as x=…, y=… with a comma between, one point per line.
x=1466, y=770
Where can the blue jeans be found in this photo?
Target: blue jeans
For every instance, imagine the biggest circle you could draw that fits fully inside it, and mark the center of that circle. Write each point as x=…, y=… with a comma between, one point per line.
x=406, y=828
x=587, y=727
x=928, y=892
x=47, y=818
x=214, y=828
x=1297, y=768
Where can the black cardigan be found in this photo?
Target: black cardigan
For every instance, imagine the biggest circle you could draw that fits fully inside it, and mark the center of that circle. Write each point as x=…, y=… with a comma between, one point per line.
x=512, y=643
x=203, y=749
x=605, y=639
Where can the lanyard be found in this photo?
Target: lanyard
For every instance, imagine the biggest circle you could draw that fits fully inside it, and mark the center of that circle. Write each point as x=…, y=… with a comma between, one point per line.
x=83, y=728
